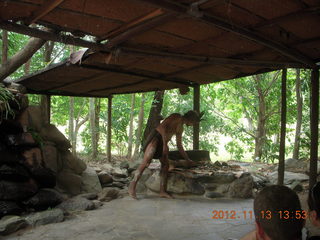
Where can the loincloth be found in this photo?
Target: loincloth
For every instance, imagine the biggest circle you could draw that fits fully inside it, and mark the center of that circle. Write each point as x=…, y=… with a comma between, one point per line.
x=159, y=149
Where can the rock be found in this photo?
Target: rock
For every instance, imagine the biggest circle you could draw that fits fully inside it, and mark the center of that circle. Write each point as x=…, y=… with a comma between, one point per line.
x=213, y=195
x=118, y=184
x=141, y=187
x=115, y=171
x=289, y=177
x=50, y=156
x=259, y=179
x=71, y=162
x=89, y=196
x=44, y=177
x=177, y=183
x=217, y=164
x=224, y=164
x=217, y=177
x=31, y=117
x=124, y=165
x=10, y=224
x=210, y=186
x=107, y=194
x=296, y=186
x=70, y=182
x=97, y=204
x=242, y=187
x=223, y=188
x=9, y=208
x=105, y=177
x=90, y=181
x=45, y=217
x=32, y=157
x=51, y=133
x=76, y=204
x=44, y=199
x=17, y=191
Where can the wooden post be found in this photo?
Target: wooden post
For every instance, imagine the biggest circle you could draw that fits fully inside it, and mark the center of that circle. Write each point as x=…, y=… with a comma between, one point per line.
x=314, y=122
x=283, y=127
x=196, y=107
x=45, y=103
x=109, y=129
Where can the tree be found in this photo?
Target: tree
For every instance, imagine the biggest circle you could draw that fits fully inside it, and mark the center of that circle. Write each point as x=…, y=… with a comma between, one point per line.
x=154, y=114
x=4, y=47
x=21, y=57
x=139, y=127
x=94, y=111
x=130, y=138
x=296, y=147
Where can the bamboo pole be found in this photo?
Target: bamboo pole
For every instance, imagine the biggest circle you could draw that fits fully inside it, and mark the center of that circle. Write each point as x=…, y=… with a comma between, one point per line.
x=196, y=107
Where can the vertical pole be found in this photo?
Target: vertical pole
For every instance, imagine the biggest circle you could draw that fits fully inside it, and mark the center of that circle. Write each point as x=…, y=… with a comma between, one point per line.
x=45, y=104
x=48, y=98
x=283, y=127
x=196, y=107
x=109, y=129
x=314, y=126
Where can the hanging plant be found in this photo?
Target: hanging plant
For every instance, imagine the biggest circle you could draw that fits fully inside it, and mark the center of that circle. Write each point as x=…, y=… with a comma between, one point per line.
x=5, y=97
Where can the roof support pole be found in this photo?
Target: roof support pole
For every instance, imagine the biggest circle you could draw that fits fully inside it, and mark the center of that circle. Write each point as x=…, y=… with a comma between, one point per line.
x=283, y=127
x=109, y=129
x=314, y=126
x=196, y=107
x=45, y=105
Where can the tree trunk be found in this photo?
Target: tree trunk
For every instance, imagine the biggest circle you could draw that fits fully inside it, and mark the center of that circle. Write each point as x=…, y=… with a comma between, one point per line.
x=139, y=128
x=93, y=127
x=130, y=138
x=4, y=47
x=48, y=51
x=154, y=114
x=20, y=57
x=71, y=125
x=27, y=67
x=299, y=116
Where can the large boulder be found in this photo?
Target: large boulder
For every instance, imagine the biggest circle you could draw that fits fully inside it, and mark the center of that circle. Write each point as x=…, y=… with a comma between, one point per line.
x=71, y=162
x=69, y=182
x=90, y=181
x=76, y=204
x=31, y=117
x=242, y=187
x=104, y=177
x=10, y=224
x=51, y=133
x=141, y=186
x=115, y=170
x=107, y=194
x=50, y=156
x=44, y=199
x=45, y=217
x=217, y=177
x=289, y=177
x=177, y=183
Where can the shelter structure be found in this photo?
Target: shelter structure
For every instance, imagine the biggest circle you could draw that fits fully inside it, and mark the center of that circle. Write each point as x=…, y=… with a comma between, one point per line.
x=148, y=45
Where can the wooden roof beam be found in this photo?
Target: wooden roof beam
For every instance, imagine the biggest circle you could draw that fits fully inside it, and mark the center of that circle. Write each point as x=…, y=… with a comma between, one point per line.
x=220, y=23
x=209, y=59
x=47, y=7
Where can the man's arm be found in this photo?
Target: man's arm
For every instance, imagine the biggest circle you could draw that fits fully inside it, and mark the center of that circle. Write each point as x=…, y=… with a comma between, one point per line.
x=180, y=147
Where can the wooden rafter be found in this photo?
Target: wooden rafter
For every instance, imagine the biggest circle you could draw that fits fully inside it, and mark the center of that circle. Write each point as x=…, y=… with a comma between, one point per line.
x=131, y=24
x=248, y=34
x=47, y=7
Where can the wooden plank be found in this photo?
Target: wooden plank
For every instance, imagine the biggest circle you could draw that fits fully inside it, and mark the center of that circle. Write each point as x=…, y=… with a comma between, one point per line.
x=196, y=107
x=133, y=23
x=314, y=126
x=47, y=7
x=246, y=33
x=283, y=127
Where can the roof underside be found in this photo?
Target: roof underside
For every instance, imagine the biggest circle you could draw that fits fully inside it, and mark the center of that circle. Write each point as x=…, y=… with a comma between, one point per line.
x=156, y=44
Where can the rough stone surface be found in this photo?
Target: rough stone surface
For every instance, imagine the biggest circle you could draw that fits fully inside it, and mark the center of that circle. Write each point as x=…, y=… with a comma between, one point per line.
x=89, y=196
x=97, y=204
x=45, y=217
x=105, y=177
x=71, y=162
x=115, y=171
x=70, y=182
x=213, y=195
x=76, y=204
x=90, y=181
x=242, y=187
x=177, y=183
x=151, y=218
x=259, y=180
x=50, y=156
x=289, y=177
x=217, y=177
x=107, y=194
x=10, y=224
x=141, y=187
x=50, y=132
x=124, y=165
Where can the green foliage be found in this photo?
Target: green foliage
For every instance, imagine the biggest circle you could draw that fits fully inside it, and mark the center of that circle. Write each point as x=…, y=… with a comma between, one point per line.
x=5, y=98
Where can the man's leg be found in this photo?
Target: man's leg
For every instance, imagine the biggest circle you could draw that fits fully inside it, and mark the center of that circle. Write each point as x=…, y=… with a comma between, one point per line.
x=164, y=173
x=149, y=152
